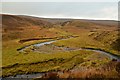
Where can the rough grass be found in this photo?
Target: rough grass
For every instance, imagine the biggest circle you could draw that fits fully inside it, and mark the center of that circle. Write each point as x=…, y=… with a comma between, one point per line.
x=88, y=42
x=107, y=71
x=34, y=62
x=10, y=47
x=90, y=36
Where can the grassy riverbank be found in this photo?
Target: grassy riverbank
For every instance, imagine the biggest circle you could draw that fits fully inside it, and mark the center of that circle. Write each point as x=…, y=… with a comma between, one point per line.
x=88, y=35
x=34, y=62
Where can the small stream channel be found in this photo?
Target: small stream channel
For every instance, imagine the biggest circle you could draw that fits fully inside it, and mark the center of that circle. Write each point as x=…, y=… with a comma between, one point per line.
x=90, y=49
x=50, y=42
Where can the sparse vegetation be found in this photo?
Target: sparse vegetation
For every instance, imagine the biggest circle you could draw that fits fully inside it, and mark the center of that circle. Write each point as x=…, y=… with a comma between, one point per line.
x=20, y=31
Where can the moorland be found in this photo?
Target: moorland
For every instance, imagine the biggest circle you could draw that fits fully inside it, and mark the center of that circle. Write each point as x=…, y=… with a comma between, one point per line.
x=68, y=56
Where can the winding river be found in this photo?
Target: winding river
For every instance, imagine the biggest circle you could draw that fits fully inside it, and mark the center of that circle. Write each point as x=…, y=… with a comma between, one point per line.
x=112, y=57
x=90, y=49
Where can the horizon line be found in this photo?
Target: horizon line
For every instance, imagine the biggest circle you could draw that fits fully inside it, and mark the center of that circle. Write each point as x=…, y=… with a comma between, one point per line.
x=51, y=17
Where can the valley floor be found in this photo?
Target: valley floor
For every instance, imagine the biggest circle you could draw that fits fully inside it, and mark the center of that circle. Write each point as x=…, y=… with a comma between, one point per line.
x=25, y=51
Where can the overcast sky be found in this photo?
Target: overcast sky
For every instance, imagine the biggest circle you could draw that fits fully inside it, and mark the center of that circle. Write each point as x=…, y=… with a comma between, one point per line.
x=60, y=0
x=82, y=10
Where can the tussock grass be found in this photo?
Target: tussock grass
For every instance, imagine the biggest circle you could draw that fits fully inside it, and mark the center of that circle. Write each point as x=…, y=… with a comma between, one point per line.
x=35, y=62
x=91, y=35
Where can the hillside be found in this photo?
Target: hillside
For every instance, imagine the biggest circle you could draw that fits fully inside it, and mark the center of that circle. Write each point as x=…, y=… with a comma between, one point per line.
x=13, y=26
x=21, y=27
x=18, y=23
x=68, y=46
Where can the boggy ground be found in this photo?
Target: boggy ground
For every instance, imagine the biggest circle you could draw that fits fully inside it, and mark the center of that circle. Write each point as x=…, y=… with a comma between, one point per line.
x=110, y=70
x=20, y=31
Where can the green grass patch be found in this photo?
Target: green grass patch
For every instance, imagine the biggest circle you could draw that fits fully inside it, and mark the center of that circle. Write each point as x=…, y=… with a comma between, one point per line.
x=35, y=62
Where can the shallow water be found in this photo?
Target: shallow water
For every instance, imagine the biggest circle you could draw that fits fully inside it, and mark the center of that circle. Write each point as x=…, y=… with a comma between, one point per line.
x=90, y=49
x=44, y=43
x=37, y=75
x=36, y=45
x=49, y=42
x=106, y=53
